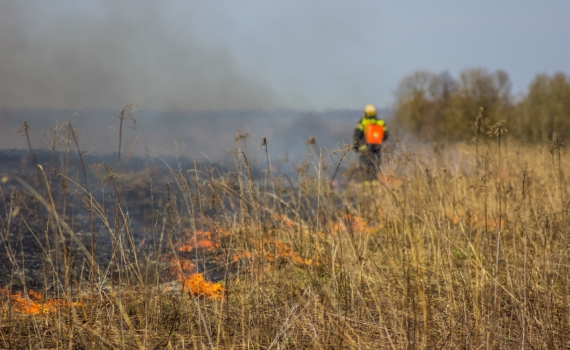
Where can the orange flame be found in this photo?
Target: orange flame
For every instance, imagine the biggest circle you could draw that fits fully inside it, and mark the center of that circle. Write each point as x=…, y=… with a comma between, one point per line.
x=283, y=251
x=35, y=295
x=30, y=307
x=355, y=223
x=201, y=239
x=241, y=256
x=179, y=267
x=198, y=287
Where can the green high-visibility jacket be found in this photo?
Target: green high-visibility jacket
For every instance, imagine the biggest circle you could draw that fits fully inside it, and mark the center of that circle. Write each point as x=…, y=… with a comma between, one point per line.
x=358, y=138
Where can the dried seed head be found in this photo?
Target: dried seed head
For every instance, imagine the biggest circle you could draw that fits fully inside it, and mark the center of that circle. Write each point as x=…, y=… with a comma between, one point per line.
x=241, y=136
x=556, y=144
x=311, y=140
x=497, y=129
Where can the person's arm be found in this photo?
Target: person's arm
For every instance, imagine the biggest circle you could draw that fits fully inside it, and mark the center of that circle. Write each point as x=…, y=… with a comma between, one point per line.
x=358, y=135
x=385, y=131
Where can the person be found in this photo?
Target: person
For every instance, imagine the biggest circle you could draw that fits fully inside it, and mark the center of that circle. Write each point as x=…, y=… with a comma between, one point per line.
x=369, y=134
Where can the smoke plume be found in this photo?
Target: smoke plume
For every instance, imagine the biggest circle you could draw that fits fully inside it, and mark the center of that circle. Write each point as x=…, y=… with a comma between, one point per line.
x=105, y=54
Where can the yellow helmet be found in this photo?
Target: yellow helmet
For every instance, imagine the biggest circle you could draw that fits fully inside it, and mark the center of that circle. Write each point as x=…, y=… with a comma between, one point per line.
x=369, y=111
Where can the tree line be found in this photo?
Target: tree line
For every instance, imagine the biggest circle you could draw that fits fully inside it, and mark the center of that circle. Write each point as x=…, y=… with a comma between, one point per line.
x=440, y=106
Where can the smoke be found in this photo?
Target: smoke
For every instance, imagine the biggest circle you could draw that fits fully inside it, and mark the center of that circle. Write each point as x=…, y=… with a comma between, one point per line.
x=165, y=55
x=197, y=72
x=196, y=134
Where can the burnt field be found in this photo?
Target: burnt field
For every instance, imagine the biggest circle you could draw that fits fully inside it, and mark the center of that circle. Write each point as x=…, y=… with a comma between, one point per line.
x=454, y=246
x=137, y=210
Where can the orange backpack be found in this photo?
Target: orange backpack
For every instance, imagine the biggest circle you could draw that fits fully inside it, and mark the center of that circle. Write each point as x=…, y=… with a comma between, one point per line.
x=374, y=134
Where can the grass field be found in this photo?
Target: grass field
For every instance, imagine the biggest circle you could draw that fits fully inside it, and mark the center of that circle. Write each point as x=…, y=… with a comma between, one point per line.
x=457, y=246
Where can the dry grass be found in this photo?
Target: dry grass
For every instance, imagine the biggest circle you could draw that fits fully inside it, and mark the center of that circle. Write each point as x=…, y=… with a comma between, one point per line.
x=446, y=251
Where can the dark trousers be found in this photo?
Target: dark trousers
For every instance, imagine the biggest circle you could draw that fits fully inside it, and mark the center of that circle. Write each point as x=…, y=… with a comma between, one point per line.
x=370, y=164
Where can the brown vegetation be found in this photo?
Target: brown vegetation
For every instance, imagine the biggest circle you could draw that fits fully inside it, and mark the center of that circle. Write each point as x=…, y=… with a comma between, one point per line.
x=458, y=247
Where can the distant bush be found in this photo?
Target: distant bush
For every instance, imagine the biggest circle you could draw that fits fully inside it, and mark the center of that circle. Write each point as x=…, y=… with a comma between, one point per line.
x=546, y=108
x=438, y=106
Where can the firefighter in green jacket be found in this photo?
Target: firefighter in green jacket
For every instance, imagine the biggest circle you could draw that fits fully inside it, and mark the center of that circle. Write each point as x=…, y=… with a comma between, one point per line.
x=369, y=134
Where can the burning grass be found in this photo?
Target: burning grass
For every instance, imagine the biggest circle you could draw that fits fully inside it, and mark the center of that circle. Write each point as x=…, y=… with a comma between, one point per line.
x=459, y=248
x=199, y=239
x=33, y=304
x=198, y=287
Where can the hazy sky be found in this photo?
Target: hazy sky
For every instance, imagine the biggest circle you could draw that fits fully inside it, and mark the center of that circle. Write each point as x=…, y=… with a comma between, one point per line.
x=310, y=54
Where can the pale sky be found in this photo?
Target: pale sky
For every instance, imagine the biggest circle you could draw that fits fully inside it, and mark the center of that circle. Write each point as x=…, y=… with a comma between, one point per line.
x=311, y=54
